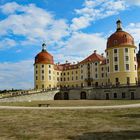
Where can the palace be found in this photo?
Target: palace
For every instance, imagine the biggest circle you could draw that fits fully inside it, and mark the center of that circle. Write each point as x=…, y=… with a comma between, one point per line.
x=121, y=66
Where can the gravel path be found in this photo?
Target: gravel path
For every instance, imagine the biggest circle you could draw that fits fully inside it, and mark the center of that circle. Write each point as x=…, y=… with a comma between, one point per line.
x=74, y=107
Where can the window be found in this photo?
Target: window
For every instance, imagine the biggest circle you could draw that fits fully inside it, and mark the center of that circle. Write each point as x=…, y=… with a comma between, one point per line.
x=67, y=73
x=72, y=78
x=36, y=66
x=107, y=60
x=42, y=71
x=108, y=69
x=95, y=69
x=135, y=67
x=76, y=77
x=49, y=66
x=57, y=78
x=42, y=77
x=81, y=71
x=57, y=73
x=76, y=72
x=124, y=35
x=81, y=76
x=126, y=50
x=36, y=86
x=102, y=75
x=81, y=66
x=64, y=79
x=42, y=66
x=126, y=58
x=61, y=79
x=116, y=67
x=117, y=80
x=123, y=94
x=36, y=78
x=115, y=95
x=96, y=64
x=115, y=50
x=42, y=86
x=102, y=68
x=36, y=71
x=49, y=71
x=96, y=75
x=115, y=59
x=128, y=80
x=127, y=66
x=134, y=51
x=64, y=73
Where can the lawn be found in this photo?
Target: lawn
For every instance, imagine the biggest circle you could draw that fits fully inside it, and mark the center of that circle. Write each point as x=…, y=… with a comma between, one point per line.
x=62, y=103
x=101, y=124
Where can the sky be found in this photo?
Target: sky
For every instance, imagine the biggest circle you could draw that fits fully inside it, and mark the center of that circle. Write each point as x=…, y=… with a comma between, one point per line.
x=71, y=29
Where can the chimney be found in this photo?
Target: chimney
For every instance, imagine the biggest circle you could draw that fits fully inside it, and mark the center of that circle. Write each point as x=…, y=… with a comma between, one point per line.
x=95, y=51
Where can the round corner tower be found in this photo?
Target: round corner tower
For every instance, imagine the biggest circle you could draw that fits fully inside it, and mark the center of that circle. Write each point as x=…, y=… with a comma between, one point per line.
x=43, y=69
x=121, y=58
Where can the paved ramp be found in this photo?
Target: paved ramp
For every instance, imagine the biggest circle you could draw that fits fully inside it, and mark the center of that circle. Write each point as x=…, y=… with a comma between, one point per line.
x=73, y=108
x=48, y=95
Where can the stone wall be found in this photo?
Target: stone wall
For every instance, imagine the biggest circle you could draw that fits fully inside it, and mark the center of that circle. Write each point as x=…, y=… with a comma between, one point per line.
x=33, y=97
x=84, y=93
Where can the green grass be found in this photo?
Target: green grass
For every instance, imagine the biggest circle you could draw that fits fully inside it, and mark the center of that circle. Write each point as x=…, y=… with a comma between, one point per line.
x=62, y=103
x=113, y=124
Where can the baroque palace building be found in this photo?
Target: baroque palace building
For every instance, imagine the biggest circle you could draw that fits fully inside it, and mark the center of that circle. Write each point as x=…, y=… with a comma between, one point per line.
x=119, y=67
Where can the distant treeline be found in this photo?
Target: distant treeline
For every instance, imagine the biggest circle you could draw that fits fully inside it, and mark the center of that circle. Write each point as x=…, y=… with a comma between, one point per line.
x=12, y=90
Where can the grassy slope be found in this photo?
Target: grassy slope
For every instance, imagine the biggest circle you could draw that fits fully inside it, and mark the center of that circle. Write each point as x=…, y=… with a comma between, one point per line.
x=110, y=124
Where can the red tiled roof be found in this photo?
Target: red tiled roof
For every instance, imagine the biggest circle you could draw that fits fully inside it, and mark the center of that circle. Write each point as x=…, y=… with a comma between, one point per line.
x=120, y=38
x=44, y=58
x=93, y=58
x=66, y=66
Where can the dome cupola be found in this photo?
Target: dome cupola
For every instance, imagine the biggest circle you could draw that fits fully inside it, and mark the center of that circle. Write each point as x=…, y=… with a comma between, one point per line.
x=120, y=37
x=44, y=57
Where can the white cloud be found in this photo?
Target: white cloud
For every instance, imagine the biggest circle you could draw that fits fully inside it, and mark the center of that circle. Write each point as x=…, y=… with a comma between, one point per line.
x=80, y=45
x=134, y=30
x=32, y=22
x=133, y=2
x=9, y=9
x=16, y=75
x=94, y=10
x=7, y=42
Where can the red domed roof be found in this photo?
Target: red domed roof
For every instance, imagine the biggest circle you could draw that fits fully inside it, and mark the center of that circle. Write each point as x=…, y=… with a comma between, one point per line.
x=44, y=58
x=119, y=37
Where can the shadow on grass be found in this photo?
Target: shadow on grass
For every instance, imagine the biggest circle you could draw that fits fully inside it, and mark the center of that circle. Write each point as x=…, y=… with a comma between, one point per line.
x=129, y=116
x=120, y=135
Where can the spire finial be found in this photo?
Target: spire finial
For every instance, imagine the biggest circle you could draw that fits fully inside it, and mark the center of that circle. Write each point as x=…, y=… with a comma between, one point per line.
x=43, y=46
x=119, y=25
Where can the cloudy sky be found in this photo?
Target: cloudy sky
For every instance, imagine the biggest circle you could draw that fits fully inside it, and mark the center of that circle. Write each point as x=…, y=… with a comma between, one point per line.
x=72, y=29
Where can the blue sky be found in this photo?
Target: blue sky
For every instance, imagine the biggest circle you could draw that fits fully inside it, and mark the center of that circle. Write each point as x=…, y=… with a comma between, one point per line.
x=72, y=29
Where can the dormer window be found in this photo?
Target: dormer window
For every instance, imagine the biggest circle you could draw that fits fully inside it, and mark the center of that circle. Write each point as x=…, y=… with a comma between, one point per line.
x=115, y=42
x=96, y=63
x=124, y=36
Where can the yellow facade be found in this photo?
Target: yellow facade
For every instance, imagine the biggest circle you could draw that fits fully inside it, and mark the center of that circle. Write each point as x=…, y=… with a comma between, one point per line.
x=118, y=68
x=126, y=61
